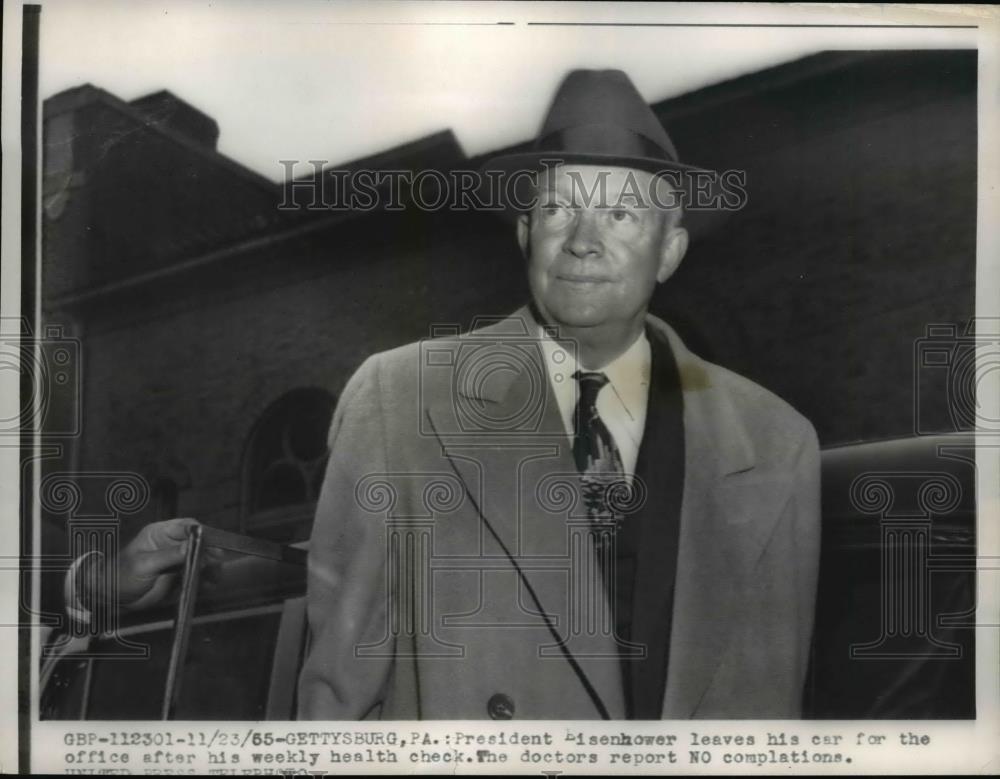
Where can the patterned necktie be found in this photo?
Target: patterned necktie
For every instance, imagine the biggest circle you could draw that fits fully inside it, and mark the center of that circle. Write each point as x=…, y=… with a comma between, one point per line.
x=596, y=454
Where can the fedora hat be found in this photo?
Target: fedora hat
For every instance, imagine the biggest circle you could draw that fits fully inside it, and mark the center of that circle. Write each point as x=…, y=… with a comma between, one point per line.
x=597, y=117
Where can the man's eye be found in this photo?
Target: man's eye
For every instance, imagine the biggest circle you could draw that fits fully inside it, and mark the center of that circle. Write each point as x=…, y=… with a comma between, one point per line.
x=620, y=214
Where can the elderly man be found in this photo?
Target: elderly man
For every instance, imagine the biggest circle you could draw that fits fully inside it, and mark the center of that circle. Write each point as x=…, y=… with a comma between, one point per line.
x=481, y=604
x=564, y=514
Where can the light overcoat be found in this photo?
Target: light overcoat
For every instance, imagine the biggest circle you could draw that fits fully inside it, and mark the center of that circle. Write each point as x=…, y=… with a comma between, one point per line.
x=449, y=572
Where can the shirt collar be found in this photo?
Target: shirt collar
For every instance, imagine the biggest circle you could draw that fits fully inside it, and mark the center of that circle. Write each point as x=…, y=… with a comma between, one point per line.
x=631, y=368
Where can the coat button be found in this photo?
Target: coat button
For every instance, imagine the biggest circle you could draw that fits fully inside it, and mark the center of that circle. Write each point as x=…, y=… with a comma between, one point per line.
x=500, y=706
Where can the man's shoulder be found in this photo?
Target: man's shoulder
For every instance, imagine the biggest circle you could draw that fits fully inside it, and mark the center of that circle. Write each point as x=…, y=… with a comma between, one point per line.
x=766, y=417
x=406, y=363
x=779, y=434
x=754, y=399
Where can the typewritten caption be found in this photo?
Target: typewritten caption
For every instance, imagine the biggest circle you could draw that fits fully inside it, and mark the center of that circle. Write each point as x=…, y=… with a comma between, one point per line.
x=308, y=749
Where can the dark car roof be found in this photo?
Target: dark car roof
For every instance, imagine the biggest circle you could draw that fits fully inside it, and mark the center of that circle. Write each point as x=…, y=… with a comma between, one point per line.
x=904, y=466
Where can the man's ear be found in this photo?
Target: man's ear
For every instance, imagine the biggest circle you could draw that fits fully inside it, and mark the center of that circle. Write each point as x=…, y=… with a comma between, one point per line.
x=675, y=245
x=523, y=232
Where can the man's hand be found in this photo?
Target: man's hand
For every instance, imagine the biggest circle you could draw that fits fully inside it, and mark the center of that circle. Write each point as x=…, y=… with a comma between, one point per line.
x=148, y=565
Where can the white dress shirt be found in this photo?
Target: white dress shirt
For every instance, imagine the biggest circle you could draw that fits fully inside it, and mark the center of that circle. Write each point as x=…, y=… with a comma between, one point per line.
x=621, y=403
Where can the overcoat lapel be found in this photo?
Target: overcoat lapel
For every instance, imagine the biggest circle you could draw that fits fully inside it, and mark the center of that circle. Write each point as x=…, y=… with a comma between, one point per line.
x=728, y=514
x=523, y=478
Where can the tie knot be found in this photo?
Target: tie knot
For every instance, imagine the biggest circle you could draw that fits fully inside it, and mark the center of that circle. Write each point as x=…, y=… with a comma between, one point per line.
x=591, y=383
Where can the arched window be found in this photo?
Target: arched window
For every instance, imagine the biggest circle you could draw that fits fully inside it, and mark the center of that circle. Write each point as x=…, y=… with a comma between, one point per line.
x=284, y=464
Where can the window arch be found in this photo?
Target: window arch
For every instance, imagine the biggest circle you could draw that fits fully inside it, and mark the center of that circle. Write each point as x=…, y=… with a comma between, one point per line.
x=284, y=465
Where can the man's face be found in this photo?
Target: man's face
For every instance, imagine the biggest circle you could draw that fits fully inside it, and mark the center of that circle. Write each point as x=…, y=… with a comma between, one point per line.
x=597, y=245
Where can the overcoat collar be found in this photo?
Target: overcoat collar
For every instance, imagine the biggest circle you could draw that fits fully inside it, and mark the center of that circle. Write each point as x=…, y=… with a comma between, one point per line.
x=731, y=444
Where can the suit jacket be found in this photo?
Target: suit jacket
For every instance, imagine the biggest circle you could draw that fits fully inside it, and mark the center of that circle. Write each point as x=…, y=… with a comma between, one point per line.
x=448, y=566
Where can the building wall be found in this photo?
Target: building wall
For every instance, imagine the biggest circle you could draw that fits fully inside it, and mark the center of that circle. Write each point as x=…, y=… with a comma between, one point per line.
x=851, y=244
x=176, y=381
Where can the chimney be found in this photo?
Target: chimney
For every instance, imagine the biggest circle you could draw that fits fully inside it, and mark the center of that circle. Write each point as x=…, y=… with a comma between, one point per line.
x=166, y=110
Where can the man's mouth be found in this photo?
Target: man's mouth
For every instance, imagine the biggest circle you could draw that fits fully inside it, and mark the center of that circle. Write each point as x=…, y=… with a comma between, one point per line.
x=582, y=278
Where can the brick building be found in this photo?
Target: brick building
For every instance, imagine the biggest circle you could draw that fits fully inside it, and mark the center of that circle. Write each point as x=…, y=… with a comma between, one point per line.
x=216, y=329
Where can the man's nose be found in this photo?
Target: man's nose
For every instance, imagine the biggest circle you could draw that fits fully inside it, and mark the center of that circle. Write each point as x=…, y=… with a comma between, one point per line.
x=584, y=238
